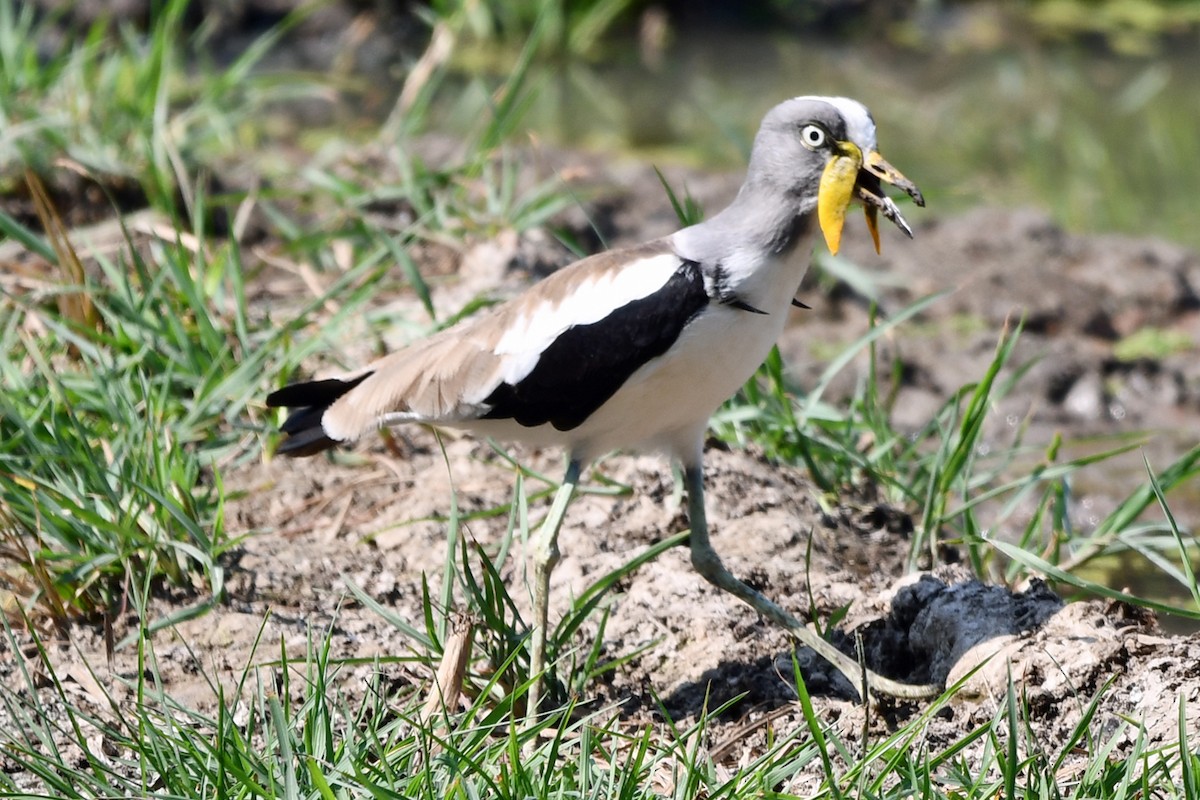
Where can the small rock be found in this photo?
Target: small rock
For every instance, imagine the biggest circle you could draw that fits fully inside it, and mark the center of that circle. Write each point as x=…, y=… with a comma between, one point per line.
x=1085, y=400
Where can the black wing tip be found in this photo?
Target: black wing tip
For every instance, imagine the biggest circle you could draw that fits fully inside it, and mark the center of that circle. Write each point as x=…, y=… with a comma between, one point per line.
x=305, y=443
x=313, y=393
x=306, y=435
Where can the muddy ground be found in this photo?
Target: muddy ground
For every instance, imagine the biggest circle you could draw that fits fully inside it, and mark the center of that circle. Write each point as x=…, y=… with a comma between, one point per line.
x=312, y=526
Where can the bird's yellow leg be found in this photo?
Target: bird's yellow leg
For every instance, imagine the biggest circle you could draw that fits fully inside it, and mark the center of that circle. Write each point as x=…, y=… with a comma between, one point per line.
x=545, y=557
x=708, y=564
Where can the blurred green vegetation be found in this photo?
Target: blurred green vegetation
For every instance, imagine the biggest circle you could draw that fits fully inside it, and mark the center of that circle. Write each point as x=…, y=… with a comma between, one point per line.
x=1127, y=26
x=1152, y=343
x=1102, y=141
x=579, y=26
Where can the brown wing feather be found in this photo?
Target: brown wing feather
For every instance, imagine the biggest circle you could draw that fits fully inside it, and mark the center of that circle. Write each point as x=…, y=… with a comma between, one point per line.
x=434, y=379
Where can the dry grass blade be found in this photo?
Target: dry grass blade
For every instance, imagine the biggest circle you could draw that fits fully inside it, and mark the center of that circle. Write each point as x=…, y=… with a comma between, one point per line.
x=448, y=682
x=441, y=47
x=27, y=576
x=76, y=307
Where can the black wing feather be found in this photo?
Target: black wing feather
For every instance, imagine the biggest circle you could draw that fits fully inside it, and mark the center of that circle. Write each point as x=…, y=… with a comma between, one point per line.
x=309, y=401
x=587, y=364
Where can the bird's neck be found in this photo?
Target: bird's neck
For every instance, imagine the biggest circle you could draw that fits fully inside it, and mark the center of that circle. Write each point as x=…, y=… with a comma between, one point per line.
x=760, y=239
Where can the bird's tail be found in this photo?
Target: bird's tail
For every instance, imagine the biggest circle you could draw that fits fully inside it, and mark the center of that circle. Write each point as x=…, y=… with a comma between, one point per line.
x=308, y=403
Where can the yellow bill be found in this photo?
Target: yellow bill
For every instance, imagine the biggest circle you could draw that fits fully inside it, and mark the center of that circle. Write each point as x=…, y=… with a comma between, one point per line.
x=851, y=175
x=836, y=191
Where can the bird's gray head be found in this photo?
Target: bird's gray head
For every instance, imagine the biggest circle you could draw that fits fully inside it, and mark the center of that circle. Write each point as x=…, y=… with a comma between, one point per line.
x=821, y=152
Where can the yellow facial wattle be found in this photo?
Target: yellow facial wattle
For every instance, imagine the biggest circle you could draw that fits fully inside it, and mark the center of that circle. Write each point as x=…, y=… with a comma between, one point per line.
x=872, y=214
x=835, y=192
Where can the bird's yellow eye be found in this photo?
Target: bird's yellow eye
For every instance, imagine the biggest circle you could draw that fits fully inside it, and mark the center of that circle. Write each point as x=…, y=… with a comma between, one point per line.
x=813, y=136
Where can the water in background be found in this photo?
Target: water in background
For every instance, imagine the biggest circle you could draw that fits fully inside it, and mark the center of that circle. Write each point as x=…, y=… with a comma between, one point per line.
x=1103, y=142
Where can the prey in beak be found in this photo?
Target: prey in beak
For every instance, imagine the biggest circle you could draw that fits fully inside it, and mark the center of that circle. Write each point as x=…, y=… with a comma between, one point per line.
x=849, y=176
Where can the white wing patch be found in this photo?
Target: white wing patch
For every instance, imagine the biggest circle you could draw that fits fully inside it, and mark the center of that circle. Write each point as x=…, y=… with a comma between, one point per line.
x=590, y=301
